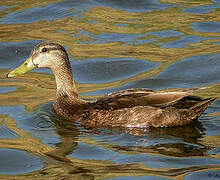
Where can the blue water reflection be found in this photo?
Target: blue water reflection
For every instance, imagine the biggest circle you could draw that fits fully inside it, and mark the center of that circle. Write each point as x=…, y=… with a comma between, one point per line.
x=20, y=162
x=88, y=71
x=207, y=26
x=135, y=5
x=202, y=9
x=184, y=41
x=199, y=70
x=49, y=12
x=166, y=33
x=113, y=45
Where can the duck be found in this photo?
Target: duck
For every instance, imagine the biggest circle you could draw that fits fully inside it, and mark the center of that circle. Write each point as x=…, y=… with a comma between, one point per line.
x=130, y=108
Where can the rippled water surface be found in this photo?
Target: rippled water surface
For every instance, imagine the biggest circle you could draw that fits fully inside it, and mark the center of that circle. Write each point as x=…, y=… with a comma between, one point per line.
x=113, y=45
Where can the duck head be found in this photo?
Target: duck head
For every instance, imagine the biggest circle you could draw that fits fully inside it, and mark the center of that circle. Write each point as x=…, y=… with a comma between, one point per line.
x=44, y=55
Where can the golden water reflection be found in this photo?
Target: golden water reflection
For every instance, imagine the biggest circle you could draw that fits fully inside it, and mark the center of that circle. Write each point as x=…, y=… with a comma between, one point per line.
x=77, y=34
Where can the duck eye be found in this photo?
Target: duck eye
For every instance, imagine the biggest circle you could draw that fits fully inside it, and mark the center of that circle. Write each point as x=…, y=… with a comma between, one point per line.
x=44, y=50
x=25, y=64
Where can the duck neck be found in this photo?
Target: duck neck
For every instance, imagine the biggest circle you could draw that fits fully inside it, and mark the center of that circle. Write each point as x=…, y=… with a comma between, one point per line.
x=64, y=81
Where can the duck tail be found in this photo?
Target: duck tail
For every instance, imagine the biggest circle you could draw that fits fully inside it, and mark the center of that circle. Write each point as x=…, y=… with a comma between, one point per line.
x=200, y=107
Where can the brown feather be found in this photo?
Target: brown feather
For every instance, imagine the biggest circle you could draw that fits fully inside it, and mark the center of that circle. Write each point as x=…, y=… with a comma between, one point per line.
x=129, y=111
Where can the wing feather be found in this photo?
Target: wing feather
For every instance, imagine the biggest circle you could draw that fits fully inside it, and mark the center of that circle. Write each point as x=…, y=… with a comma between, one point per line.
x=138, y=97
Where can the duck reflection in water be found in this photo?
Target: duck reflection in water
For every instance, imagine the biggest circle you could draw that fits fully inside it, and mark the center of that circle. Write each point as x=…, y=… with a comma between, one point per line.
x=69, y=134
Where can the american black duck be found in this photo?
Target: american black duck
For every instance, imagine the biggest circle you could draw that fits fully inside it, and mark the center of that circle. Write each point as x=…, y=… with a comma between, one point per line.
x=132, y=108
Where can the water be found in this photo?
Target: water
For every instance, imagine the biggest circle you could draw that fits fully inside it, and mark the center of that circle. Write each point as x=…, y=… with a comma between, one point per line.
x=113, y=45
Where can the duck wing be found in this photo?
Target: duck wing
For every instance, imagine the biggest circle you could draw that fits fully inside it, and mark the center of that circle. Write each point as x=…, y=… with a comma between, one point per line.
x=146, y=116
x=140, y=97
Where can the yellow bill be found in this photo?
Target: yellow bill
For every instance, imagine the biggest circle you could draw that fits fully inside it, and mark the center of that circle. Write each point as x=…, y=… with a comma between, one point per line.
x=27, y=66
